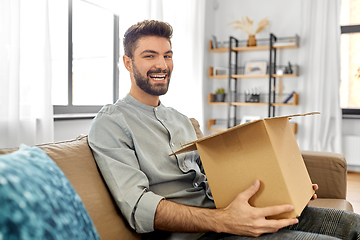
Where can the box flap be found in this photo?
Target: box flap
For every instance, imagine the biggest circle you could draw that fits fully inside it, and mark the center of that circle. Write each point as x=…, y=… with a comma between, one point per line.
x=191, y=146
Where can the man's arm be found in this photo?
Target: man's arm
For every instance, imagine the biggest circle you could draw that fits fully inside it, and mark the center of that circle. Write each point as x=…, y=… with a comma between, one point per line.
x=238, y=218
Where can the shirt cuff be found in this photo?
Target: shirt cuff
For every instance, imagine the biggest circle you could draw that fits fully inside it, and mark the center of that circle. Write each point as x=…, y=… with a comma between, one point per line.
x=145, y=212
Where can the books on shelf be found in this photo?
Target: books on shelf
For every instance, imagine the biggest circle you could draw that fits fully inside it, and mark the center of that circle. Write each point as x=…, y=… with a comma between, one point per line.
x=289, y=97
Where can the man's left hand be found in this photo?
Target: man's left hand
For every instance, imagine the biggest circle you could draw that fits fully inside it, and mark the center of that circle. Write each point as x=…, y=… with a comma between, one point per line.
x=315, y=187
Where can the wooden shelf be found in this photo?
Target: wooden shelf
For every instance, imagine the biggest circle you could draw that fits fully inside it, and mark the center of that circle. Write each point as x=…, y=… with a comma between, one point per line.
x=211, y=75
x=254, y=48
x=211, y=98
x=249, y=104
x=247, y=49
x=294, y=102
x=263, y=76
x=217, y=50
x=250, y=76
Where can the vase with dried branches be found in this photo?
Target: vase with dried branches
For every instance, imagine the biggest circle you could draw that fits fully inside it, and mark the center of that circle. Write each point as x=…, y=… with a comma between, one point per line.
x=247, y=26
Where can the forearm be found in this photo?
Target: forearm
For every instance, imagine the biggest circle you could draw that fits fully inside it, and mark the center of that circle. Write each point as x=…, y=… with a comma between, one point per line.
x=175, y=217
x=238, y=218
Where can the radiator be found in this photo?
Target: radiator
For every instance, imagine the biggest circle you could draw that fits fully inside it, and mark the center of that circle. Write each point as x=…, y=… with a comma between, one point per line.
x=351, y=149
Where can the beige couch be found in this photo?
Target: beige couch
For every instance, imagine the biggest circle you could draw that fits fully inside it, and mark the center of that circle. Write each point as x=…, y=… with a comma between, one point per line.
x=75, y=159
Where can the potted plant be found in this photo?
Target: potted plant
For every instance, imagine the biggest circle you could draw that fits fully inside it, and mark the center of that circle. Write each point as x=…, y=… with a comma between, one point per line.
x=220, y=95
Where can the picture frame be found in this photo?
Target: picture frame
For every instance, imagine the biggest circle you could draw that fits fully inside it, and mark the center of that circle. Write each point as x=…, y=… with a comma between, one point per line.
x=246, y=119
x=256, y=68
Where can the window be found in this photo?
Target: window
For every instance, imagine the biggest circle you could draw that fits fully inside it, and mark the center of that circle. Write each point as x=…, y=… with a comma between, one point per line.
x=85, y=51
x=350, y=58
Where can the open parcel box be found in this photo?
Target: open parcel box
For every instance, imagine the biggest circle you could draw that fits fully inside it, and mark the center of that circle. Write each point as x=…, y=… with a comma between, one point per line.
x=265, y=149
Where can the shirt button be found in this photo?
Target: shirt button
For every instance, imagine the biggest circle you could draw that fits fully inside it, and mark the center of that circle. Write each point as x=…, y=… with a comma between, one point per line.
x=172, y=144
x=196, y=184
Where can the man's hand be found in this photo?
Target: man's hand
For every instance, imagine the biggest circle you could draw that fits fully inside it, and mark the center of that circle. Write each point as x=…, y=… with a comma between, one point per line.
x=315, y=187
x=239, y=218
x=243, y=219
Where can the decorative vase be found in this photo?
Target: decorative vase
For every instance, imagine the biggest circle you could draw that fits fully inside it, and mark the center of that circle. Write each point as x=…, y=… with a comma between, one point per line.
x=251, y=41
x=219, y=97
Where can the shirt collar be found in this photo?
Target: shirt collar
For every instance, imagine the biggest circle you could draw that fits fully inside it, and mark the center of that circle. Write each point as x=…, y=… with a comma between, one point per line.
x=133, y=101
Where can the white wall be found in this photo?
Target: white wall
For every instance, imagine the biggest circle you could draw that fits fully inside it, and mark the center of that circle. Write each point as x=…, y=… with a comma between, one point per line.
x=70, y=129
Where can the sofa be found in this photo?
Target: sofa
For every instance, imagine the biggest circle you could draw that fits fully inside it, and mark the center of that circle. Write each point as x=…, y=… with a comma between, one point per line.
x=75, y=159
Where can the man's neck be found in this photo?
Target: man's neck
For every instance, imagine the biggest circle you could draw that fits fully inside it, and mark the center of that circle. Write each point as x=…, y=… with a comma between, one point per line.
x=145, y=98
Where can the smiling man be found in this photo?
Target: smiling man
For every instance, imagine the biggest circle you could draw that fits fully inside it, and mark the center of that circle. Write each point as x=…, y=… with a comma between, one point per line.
x=150, y=67
x=168, y=197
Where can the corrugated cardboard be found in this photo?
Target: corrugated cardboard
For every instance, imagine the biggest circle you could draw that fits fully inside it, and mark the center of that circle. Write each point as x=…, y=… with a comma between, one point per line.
x=265, y=149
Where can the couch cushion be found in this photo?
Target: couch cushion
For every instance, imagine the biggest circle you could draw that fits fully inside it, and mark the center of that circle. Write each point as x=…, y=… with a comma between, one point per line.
x=328, y=170
x=75, y=159
x=38, y=201
x=332, y=203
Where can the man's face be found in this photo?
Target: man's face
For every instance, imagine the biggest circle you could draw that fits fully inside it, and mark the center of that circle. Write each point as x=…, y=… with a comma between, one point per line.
x=152, y=65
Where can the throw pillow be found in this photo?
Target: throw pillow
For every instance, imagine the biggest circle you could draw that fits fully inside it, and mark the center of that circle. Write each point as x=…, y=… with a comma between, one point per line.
x=38, y=202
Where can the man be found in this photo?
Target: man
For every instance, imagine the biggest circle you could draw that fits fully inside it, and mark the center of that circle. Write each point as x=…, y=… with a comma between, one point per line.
x=168, y=196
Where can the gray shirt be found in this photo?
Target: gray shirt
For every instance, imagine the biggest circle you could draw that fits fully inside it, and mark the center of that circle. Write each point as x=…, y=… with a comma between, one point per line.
x=131, y=142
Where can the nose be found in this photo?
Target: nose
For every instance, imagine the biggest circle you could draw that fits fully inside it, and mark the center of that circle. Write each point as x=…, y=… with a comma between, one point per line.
x=161, y=63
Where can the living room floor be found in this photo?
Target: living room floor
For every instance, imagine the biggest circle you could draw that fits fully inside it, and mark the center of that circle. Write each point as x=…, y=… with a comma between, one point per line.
x=353, y=190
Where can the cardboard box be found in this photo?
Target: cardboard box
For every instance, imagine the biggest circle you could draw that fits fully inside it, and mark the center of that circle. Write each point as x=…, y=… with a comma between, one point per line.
x=264, y=149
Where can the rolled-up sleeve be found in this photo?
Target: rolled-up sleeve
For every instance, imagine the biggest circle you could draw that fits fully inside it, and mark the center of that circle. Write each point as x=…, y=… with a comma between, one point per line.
x=114, y=152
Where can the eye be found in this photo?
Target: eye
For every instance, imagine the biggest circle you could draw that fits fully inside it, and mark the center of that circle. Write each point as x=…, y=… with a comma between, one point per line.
x=148, y=56
x=168, y=56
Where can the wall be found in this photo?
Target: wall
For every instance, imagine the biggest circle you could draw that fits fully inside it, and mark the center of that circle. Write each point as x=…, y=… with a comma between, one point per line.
x=70, y=129
x=351, y=127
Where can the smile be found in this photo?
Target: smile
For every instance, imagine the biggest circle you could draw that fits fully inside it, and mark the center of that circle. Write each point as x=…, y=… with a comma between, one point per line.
x=158, y=77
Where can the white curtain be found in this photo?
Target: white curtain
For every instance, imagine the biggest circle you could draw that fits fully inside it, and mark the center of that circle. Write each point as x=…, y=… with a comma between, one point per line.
x=26, y=113
x=186, y=88
x=320, y=76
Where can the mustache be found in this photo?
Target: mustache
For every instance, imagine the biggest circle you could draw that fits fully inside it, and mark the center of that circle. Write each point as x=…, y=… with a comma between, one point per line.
x=158, y=70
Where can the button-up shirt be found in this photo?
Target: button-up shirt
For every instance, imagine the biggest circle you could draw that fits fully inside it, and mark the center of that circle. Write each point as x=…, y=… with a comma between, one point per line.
x=131, y=142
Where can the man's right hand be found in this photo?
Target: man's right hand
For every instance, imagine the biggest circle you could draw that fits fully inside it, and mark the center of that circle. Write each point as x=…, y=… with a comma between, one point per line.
x=243, y=219
x=239, y=218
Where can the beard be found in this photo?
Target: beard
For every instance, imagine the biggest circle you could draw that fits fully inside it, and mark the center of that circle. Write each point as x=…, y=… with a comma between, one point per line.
x=144, y=84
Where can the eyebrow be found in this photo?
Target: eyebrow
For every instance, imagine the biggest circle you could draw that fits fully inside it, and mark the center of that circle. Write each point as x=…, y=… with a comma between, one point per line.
x=154, y=52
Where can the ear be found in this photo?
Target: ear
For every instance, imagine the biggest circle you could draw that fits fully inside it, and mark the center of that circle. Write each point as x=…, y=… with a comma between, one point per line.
x=127, y=63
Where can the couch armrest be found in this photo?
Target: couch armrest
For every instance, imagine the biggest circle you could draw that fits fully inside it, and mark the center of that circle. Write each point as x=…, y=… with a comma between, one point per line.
x=329, y=171
x=196, y=126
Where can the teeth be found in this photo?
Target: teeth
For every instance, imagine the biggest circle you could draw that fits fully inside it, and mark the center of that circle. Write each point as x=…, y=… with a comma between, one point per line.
x=158, y=77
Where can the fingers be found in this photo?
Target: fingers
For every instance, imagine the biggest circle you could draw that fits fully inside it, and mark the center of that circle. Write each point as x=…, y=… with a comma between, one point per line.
x=248, y=193
x=314, y=197
x=277, y=224
x=275, y=210
x=315, y=187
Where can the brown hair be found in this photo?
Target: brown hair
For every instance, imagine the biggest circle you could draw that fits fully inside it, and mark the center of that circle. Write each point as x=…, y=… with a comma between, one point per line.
x=145, y=28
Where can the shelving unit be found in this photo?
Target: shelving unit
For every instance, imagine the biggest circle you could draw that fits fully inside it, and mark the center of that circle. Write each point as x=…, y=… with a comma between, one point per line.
x=233, y=102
